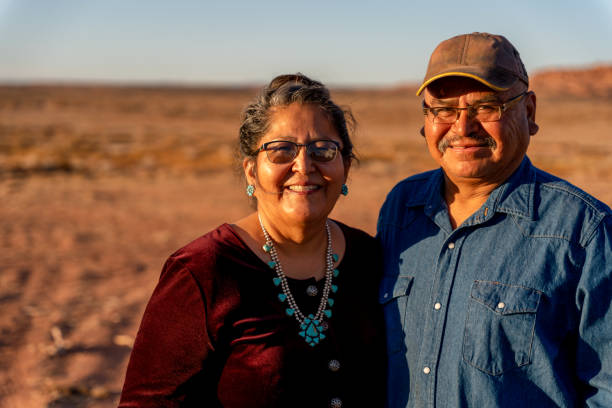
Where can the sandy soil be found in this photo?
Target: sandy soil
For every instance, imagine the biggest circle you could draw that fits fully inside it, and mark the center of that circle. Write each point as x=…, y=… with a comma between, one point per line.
x=98, y=185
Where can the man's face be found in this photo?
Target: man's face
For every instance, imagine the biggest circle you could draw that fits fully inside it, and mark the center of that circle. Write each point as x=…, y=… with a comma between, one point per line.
x=479, y=152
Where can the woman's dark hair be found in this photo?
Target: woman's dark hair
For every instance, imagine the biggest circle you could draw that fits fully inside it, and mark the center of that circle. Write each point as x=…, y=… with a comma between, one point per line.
x=283, y=91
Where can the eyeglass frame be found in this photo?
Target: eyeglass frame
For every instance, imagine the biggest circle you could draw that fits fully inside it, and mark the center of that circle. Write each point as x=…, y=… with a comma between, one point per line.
x=264, y=146
x=471, y=109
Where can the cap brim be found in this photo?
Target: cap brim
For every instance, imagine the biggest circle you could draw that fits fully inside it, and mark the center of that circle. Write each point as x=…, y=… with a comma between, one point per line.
x=460, y=74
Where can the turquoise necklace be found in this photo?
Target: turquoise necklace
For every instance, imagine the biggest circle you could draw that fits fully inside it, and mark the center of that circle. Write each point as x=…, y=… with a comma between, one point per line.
x=312, y=326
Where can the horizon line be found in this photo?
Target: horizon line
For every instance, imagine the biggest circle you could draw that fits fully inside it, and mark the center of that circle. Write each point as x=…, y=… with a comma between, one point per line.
x=249, y=84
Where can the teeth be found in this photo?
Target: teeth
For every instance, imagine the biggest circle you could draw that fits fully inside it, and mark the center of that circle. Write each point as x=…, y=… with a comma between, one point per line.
x=303, y=188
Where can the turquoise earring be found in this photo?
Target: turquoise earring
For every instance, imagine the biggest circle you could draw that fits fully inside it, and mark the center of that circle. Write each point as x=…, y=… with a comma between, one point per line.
x=250, y=190
x=344, y=190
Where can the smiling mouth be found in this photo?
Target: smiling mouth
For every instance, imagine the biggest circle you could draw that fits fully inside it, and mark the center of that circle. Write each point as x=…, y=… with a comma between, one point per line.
x=304, y=189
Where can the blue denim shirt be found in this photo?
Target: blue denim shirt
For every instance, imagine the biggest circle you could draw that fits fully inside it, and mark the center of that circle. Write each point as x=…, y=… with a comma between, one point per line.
x=512, y=308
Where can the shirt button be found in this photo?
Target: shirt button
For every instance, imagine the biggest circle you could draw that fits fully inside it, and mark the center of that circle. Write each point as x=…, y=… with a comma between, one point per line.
x=501, y=305
x=312, y=290
x=437, y=306
x=427, y=370
x=335, y=403
x=333, y=365
x=451, y=245
x=386, y=295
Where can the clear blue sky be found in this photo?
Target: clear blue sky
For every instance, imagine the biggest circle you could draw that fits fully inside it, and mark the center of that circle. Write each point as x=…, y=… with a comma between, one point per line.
x=248, y=42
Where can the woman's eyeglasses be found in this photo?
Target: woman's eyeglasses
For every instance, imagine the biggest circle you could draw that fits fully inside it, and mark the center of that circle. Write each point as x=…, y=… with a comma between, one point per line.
x=284, y=151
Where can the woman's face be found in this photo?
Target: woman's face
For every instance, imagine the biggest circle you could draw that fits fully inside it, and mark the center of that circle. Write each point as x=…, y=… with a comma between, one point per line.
x=304, y=190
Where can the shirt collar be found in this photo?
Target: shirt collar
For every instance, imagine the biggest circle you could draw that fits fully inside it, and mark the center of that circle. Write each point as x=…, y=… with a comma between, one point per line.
x=514, y=196
x=430, y=194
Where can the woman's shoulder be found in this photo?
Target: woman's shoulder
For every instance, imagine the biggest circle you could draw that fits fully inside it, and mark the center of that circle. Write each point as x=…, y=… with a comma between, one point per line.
x=360, y=246
x=205, y=252
x=221, y=237
x=355, y=235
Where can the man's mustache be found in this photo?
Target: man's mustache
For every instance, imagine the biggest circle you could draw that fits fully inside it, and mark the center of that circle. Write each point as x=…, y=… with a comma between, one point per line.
x=448, y=140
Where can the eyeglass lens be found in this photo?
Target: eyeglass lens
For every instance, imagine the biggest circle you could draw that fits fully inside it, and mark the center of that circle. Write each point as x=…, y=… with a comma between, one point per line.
x=481, y=112
x=286, y=151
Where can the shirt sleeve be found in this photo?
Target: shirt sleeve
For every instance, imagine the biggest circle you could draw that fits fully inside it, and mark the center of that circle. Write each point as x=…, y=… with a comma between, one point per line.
x=594, y=296
x=172, y=343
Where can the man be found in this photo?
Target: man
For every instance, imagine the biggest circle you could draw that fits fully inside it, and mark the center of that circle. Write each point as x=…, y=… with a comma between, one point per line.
x=498, y=276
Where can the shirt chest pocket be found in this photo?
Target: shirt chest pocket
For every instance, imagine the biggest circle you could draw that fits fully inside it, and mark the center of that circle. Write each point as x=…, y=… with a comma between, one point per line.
x=500, y=326
x=393, y=296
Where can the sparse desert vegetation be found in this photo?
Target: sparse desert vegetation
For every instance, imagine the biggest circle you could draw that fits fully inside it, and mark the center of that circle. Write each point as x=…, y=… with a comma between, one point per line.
x=99, y=184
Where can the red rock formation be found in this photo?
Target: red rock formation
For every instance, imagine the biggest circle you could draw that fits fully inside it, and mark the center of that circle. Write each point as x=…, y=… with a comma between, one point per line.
x=591, y=82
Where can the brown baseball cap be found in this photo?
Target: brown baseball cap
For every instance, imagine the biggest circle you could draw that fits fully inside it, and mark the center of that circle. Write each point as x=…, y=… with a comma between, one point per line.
x=487, y=58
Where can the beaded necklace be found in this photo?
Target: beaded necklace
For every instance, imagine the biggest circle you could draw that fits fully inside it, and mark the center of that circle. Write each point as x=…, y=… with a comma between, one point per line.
x=311, y=326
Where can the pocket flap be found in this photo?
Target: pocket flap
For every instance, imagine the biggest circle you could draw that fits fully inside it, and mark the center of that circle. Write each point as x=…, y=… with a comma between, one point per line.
x=506, y=299
x=392, y=287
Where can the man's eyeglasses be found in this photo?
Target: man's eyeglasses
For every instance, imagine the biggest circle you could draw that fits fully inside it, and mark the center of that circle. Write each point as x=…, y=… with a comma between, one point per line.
x=284, y=151
x=482, y=112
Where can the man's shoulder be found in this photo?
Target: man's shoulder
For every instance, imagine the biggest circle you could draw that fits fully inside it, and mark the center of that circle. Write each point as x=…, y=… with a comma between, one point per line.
x=565, y=194
x=562, y=210
x=414, y=192
x=415, y=186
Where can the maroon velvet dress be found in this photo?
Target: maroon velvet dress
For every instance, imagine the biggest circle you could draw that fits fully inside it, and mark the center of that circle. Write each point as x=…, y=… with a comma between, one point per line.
x=214, y=333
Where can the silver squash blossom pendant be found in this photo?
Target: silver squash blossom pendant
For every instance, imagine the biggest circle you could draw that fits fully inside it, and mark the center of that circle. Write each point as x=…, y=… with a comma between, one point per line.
x=313, y=325
x=312, y=330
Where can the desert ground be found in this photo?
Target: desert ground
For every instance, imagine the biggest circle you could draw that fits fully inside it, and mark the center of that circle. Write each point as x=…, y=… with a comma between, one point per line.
x=99, y=184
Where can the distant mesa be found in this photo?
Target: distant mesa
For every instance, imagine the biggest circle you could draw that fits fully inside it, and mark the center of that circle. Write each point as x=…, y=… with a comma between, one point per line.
x=584, y=83
x=590, y=82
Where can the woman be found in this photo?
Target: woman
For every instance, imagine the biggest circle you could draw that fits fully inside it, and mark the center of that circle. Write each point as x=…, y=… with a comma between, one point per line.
x=278, y=309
